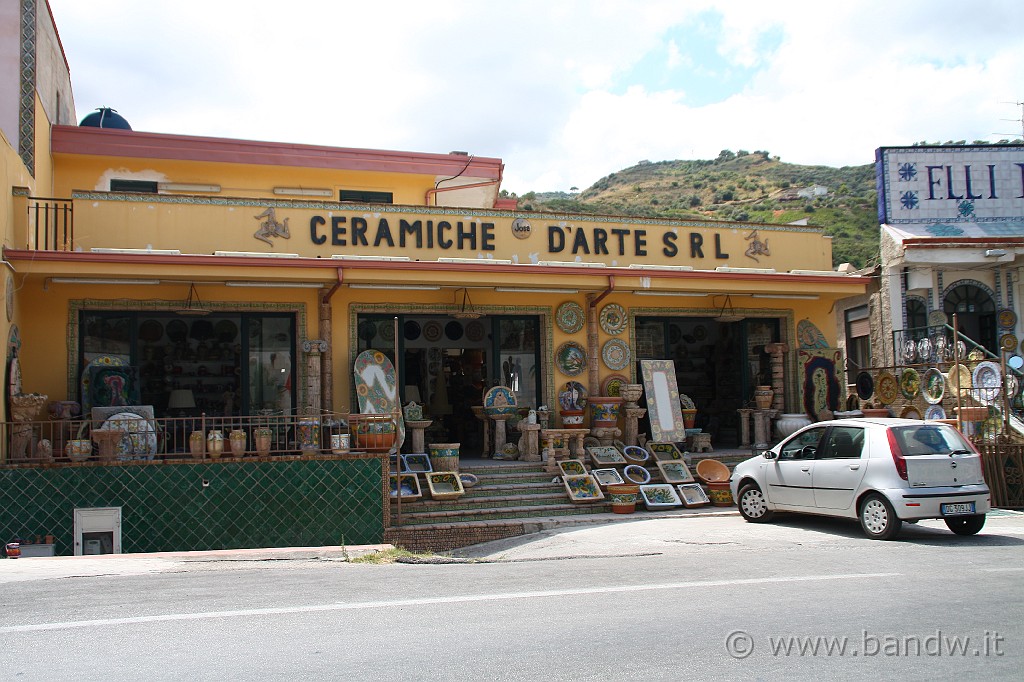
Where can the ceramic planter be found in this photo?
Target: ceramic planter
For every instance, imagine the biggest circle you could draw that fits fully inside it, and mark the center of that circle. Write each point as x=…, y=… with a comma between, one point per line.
x=340, y=443
x=572, y=419
x=445, y=456
x=604, y=411
x=237, y=440
x=197, y=444
x=215, y=444
x=720, y=494
x=763, y=397
x=623, y=497
x=262, y=436
x=790, y=422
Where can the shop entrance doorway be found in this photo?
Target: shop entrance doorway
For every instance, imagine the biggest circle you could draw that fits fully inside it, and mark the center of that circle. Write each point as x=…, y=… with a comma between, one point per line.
x=448, y=363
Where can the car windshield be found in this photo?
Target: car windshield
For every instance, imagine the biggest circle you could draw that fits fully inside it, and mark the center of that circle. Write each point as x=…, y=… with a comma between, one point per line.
x=930, y=439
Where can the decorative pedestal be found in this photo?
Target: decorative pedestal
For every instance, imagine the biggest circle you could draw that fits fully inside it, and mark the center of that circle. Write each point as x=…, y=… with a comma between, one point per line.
x=572, y=445
x=702, y=443
x=606, y=434
x=745, y=426
x=416, y=428
x=478, y=412
x=632, y=423
x=529, y=450
x=500, y=435
x=762, y=428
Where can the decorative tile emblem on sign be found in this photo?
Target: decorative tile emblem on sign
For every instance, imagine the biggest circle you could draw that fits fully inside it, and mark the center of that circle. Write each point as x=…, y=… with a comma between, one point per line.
x=270, y=227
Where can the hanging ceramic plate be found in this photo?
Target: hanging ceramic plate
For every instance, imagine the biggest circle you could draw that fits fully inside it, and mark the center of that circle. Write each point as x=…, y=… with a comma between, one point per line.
x=226, y=331
x=177, y=330
x=1007, y=318
x=432, y=331
x=475, y=331
x=924, y=349
x=366, y=330
x=909, y=350
x=453, y=330
x=151, y=330
x=934, y=385
x=613, y=318
x=411, y=329
x=959, y=378
x=615, y=354
x=700, y=332
x=910, y=412
x=936, y=318
x=611, y=385
x=1008, y=342
x=570, y=358
x=865, y=386
x=387, y=330
x=910, y=383
x=961, y=349
x=934, y=412
x=686, y=402
x=887, y=388
x=941, y=346
x=570, y=317
x=987, y=381
x=675, y=334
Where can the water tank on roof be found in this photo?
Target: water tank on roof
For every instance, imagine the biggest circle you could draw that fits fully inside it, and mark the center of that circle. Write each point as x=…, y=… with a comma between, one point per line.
x=105, y=117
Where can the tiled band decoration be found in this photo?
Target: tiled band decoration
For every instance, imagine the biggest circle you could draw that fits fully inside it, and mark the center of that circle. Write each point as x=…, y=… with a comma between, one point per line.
x=203, y=506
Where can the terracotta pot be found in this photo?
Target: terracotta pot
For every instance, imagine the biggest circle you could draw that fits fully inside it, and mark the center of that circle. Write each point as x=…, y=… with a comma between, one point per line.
x=623, y=497
x=689, y=417
x=572, y=419
x=604, y=411
x=720, y=494
x=876, y=412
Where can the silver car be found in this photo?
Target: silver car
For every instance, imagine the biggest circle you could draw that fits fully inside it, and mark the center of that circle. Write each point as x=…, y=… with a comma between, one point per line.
x=880, y=471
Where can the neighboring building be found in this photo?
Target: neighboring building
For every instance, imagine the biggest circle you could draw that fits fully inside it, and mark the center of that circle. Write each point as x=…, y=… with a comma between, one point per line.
x=251, y=274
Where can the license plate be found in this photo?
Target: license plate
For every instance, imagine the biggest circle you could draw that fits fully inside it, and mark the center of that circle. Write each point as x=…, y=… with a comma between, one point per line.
x=956, y=508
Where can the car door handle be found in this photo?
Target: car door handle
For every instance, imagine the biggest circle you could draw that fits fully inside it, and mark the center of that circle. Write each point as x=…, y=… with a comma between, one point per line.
x=854, y=467
x=805, y=468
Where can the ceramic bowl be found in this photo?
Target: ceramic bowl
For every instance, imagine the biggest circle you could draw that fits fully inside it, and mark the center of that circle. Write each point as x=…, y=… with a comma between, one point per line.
x=634, y=473
x=712, y=471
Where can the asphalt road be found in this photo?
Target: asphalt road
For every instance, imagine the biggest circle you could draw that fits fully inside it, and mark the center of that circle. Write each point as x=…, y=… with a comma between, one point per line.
x=694, y=598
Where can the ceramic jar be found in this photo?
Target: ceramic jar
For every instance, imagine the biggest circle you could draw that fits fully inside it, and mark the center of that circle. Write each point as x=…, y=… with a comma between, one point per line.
x=445, y=456
x=340, y=443
x=790, y=422
x=78, y=449
x=197, y=444
x=237, y=439
x=215, y=443
x=262, y=437
x=307, y=433
x=689, y=417
x=763, y=397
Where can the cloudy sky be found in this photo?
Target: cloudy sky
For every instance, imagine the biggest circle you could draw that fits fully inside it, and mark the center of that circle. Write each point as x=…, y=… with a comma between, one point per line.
x=564, y=91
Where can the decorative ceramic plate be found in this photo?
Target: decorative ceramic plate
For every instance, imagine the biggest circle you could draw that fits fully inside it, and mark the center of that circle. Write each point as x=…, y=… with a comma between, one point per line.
x=577, y=395
x=936, y=318
x=605, y=454
x=607, y=476
x=432, y=331
x=910, y=383
x=675, y=334
x=619, y=445
x=151, y=330
x=636, y=454
x=976, y=354
x=1007, y=318
x=582, y=488
x=909, y=350
x=664, y=452
x=366, y=330
x=659, y=496
x=571, y=358
x=613, y=318
x=941, y=346
x=987, y=381
x=177, y=330
x=591, y=441
x=453, y=330
x=634, y=473
x=959, y=378
x=809, y=335
x=910, y=412
x=924, y=349
x=686, y=402
x=612, y=383
x=386, y=329
x=692, y=495
x=934, y=386
x=675, y=471
x=139, y=439
x=865, y=386
x=700, y=332
x=887, y=388
x=934, y=412
x=570, y=317
x=226, y=331
x=1012, y=385
x=411, y=329
x=475, y=331
x=1008, y=342
x=615, y=354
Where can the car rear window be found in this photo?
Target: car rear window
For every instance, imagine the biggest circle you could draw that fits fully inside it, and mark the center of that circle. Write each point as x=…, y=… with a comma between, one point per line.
x=929, y=439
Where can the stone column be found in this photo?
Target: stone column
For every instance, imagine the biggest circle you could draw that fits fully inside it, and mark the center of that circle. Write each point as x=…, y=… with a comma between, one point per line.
x=762, y=428
x=632, y=423
x=327, y=361
x=313, y=349
x=478, y=412
x=777, y=352
x=745, y=426
x=499, y=435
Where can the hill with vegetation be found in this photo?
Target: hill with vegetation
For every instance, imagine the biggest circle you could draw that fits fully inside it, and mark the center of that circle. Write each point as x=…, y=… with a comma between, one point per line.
x=740, y=186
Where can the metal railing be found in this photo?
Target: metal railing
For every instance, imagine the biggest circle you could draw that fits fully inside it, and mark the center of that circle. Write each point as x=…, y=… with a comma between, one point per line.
x=51, y=223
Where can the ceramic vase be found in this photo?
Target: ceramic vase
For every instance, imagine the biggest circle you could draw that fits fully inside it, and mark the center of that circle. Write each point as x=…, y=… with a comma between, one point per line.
x=261, y=437
x=340, y=443
x=197, y=444
x=623, y=497
x=604, y=412
x=215, y=444
x=689, y=417
x=790, y=422
x=763, y=397
x=237, y=439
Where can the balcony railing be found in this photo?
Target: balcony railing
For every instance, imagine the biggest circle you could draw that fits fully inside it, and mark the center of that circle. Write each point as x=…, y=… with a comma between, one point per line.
x=120, y=440
x=51, y=223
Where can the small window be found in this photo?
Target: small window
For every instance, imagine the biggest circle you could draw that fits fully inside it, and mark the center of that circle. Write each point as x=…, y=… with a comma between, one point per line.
x=844, y=442
x=141, y=186
x=367, y=197
x=804, y=446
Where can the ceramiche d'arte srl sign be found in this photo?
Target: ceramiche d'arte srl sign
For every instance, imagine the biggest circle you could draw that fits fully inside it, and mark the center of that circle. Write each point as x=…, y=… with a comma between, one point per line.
x=980, y=183
x=561, y=240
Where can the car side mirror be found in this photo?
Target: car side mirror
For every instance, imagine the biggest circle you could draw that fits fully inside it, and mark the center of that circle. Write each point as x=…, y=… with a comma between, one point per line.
x=768, y=454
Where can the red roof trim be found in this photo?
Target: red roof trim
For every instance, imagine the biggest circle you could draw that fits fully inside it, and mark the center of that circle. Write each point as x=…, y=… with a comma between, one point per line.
x=91, y=141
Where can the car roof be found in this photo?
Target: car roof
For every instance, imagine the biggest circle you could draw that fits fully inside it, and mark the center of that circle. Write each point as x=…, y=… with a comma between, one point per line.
x=880, y=421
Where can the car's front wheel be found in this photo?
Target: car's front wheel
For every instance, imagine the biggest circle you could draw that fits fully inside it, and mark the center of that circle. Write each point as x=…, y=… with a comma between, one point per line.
x=966, y=525
x=753, y=505
x=878, y=518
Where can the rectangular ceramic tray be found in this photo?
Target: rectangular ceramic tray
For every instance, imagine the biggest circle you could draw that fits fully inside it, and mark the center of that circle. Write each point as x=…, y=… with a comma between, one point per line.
x=582, y=488
x=675, y=471
x=410, y=487
x=572, y=467
x=605, y=455
x=659, y=496
x=607, y=477
x=444, y=485
x=693, y=495
x=417, y=464
x=665, y=451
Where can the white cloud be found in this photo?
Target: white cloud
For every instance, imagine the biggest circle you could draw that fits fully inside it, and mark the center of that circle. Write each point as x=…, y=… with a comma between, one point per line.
x=542, y=84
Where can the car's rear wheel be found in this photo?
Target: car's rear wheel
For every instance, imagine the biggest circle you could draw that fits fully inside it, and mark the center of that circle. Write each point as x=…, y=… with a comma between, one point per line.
x=878, y=518
x=966, y=525
x=753, y=505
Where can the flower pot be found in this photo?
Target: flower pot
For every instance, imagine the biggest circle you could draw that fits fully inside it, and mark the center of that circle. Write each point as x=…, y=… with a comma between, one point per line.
x=444, y=456
x=876, y=412
x=689, y=418
x=78, y=449
x=572, y=419
x=237, y=439
x=623, y=497
x=789, y=422
x=720, y=494
x=604, y=411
